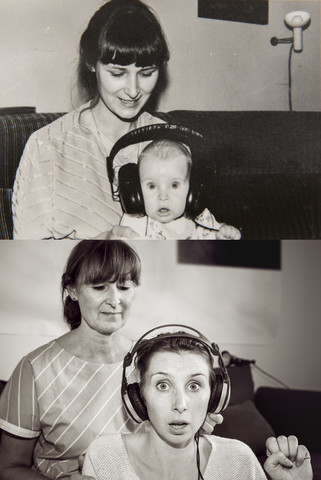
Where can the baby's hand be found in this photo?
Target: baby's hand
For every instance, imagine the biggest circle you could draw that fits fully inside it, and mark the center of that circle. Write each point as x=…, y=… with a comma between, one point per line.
x=118, y=232
x=227, y=232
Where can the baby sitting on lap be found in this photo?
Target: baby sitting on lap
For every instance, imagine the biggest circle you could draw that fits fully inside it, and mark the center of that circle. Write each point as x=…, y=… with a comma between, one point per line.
x=164, y=168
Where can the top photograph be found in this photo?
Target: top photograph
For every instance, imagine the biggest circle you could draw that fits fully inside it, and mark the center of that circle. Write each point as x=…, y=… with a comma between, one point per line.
x=162, y=119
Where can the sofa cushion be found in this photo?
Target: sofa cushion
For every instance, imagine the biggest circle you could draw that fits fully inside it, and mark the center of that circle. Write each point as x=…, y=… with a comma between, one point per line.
x=15, y=129
x=242, y=386
x=244, y=422
x=280, y=406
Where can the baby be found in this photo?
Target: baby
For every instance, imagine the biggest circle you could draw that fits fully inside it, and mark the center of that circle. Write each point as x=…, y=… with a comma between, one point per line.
x=164, y=168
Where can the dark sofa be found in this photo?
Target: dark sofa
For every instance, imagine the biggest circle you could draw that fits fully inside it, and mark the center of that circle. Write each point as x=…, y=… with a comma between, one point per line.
x=253, y=416
x=261, y=170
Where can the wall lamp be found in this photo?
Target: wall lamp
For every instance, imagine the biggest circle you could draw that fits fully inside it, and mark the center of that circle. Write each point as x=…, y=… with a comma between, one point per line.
x=296, y=21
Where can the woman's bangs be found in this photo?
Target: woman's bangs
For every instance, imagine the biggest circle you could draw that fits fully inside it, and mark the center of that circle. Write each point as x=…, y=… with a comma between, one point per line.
x=102, y=267
x=136, y=44
x=128, y=55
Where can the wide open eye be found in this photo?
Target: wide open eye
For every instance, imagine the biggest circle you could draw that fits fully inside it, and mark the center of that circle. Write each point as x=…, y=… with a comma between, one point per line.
x=193, y=386
x=163, y=386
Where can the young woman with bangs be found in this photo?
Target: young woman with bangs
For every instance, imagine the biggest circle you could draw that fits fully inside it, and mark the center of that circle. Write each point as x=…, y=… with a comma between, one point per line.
x=61, y=188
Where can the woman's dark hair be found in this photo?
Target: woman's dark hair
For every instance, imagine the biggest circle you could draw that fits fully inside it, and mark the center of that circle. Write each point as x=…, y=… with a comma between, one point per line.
x=95, y=262
x=122, y=32
x=162, y=343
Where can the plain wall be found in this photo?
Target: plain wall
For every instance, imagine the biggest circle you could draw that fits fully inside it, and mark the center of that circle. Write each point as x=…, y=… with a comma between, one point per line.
x=215, y=64
x=269, y=316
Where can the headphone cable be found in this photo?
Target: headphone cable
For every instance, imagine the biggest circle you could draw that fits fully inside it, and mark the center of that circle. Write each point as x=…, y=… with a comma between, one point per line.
x=198, y=462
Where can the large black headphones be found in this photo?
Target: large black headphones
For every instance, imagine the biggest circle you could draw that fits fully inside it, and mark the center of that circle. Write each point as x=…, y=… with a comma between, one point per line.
x=220, y=390
x=129, y=191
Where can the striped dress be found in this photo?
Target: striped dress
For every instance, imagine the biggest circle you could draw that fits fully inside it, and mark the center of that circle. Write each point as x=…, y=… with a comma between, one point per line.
x=65, y=403
x=61, y=187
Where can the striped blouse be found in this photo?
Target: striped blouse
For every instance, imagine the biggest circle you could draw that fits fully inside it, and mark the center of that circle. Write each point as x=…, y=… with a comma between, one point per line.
x=65, y=403
x=61, y=187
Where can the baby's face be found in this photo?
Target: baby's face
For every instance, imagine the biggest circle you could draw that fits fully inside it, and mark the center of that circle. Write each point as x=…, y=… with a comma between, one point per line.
x=165, y=185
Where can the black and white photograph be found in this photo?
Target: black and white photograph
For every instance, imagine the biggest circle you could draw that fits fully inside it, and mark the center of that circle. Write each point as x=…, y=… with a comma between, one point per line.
x=160, y=239
x=78, y=318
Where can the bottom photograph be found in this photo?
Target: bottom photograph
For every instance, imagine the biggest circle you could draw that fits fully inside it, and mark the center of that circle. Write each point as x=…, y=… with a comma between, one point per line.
x=160, y=360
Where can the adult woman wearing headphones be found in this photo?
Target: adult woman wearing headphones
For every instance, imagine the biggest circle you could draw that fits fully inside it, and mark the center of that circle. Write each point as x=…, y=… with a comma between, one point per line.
x=61, y=187
x=179, y=384
x=67, y=392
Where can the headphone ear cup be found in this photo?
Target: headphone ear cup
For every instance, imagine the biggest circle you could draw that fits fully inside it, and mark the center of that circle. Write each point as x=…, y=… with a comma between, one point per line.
x=194, y=205
x=135, y=398
x=130, y=192
x=216, y=394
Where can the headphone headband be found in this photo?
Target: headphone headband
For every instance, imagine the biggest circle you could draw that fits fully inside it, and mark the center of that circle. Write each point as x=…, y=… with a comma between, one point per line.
x=130, y=392
x=159, y=131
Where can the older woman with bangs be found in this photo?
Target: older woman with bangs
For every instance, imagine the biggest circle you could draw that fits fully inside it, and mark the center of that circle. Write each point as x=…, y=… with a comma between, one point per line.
x=61, y=187
x=67, y=392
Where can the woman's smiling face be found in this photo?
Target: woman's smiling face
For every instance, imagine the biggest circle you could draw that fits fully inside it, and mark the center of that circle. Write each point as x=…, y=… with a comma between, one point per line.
x=124, y=90
x=176, y=390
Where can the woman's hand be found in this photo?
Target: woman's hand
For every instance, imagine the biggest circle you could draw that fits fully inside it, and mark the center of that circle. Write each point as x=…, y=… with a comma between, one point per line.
x=287, y=460
x=79, y=476
x=227, y=232
x=211, y=420
x=117, y=233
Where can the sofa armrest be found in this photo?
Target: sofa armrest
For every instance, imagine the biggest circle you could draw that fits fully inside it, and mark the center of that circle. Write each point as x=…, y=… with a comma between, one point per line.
x=16, y=125
x=292, y=412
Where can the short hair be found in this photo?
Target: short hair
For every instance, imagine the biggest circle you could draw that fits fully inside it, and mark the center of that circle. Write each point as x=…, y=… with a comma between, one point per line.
x=164, y=150
x=122, y=32
x=176, y=344
x=97, y=261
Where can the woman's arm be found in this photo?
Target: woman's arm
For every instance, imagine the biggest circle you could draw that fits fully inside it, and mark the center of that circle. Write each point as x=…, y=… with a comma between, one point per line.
x=16, y=458
x=117, y=232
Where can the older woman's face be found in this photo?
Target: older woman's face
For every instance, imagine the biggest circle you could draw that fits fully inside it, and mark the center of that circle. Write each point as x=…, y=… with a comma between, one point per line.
x=176, y=390
x=104, y=306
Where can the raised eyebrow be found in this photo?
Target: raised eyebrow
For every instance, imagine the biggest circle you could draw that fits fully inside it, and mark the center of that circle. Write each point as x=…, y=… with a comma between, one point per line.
x=169, y=375
x=160, y=373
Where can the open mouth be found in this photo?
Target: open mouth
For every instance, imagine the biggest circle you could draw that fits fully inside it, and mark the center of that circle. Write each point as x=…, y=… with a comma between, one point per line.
x=163, y=212
x=178, y=425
